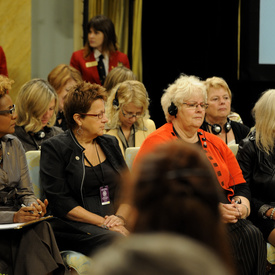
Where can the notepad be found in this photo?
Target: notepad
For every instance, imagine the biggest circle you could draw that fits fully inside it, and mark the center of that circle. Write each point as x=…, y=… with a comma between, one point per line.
x=8, y=226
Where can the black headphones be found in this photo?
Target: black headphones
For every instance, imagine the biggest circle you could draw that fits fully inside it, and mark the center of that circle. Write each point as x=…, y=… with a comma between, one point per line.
x=42, y=133
x=115, y=101
x=173, y=110
x=216, y=128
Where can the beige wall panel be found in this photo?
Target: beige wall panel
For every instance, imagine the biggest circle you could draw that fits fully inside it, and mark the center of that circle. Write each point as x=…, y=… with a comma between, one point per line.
x=15, y=38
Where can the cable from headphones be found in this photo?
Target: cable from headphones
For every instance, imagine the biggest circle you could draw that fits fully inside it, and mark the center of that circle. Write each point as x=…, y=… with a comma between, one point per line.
x=115, y=101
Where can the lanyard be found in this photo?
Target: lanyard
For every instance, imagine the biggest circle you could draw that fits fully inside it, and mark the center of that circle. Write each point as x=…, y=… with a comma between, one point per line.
x=102, y=172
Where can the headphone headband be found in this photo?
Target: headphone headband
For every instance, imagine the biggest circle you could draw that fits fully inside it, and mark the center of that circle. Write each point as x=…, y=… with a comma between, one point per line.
x=216, y=128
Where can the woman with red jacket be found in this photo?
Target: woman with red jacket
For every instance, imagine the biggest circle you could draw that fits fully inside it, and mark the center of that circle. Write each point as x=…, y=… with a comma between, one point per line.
x=100, y=54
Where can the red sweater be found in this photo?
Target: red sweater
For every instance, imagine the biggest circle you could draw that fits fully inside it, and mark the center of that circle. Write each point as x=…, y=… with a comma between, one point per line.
x=3, y=63
x=223, y=160
x=88, y=67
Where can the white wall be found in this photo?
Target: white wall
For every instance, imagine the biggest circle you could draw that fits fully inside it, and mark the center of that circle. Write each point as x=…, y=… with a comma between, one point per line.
x=52, y=35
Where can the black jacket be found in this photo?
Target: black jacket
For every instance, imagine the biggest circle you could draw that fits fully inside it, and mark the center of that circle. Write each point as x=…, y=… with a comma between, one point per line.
x=259, y=171
x=62, y=169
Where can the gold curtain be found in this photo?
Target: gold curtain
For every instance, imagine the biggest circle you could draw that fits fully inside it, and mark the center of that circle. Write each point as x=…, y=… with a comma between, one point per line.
x=118, y=12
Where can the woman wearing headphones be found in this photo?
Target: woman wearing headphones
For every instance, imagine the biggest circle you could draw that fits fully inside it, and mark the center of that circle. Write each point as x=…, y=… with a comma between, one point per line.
x=184, y=105
x=37, y=105
x=127, y=111
x=216, y=121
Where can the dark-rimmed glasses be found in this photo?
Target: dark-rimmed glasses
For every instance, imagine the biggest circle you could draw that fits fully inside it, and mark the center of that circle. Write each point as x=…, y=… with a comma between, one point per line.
x=99, y=116
x=10, y=111
x=127, y=115
x=196, y=105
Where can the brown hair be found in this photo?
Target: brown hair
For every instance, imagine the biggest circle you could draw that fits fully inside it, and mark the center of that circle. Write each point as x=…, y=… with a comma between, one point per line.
x=118, y=75
x=105, y=25
x=175, y=190
x=79, y=100
x=59, y=76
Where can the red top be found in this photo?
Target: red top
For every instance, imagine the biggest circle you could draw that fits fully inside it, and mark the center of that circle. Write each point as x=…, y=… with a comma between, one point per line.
x=88, y=67
x=218, y=153
x=3, y=63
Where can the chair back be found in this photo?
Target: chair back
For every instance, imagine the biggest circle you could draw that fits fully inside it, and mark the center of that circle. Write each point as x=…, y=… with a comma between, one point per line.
x=130, y=154
x=33, y=160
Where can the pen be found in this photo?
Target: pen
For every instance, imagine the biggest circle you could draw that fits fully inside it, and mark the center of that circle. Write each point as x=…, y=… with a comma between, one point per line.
x=23, y=205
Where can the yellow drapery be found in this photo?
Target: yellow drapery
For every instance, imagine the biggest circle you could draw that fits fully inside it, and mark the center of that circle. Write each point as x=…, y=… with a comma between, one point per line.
x=118, y=12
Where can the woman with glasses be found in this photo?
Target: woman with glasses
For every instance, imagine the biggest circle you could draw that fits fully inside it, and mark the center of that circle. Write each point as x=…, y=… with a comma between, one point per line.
x=36, y=106
x=80, y=171
x=184, y=105
x=18, y=204
x=216, y=121
x=128, y=114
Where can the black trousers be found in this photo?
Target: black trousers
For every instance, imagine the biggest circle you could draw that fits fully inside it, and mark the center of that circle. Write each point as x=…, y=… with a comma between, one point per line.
x=81, y=237
x=249, y=248
x=31, y=250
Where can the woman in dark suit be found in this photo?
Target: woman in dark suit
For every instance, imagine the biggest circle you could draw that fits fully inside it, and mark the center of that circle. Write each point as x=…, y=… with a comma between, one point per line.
x=100, y=54
x=79, y=172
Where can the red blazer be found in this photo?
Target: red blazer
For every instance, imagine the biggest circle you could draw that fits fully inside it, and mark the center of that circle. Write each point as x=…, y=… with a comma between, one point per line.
x=88, y=67
x=3, y=63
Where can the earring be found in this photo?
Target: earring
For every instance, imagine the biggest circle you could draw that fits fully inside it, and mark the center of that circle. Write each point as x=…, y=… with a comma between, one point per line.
x=79, y=131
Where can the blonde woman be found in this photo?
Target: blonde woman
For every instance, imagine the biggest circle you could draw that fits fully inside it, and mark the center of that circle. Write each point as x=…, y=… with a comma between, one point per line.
x=36, y=107
x=62, y=78
x=128, y=114
x=117, y=75
x=217, y=116
x=256, y=157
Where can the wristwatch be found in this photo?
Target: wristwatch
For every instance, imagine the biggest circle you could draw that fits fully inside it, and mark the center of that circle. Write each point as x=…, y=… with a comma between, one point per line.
x=263, y=209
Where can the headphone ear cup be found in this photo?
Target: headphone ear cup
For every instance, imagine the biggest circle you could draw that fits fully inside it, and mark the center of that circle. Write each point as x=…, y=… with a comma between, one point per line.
x=216, y=129
x=40, y=135
x=115, y=103
x=227, y=126
x=173, y=109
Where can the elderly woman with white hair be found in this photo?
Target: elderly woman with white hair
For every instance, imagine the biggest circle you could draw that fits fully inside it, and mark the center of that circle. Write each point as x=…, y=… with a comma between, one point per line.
x=36, y=106
x=184, y=104
x=256, y=158
x=128, y=114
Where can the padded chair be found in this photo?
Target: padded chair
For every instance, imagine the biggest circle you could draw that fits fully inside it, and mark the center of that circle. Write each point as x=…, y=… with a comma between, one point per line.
x=33, y=160
x=234, y=148
x=76, y=262
x=130, y=155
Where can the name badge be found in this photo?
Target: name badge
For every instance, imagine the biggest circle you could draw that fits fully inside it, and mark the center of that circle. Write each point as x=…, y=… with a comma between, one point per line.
x=91, y=64
x=104, y=195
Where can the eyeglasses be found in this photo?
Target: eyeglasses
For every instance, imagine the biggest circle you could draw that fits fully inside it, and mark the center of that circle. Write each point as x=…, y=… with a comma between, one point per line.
x=99, y=116
x=196, y=105
x=10, y=111
x=127, y=115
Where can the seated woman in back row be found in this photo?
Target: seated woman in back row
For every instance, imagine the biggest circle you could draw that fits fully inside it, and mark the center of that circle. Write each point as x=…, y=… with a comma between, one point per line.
x=80, y=171
x=37, y=104
x=216, y=121
x=42, y=255
x=127, y=111
x=62, y=78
